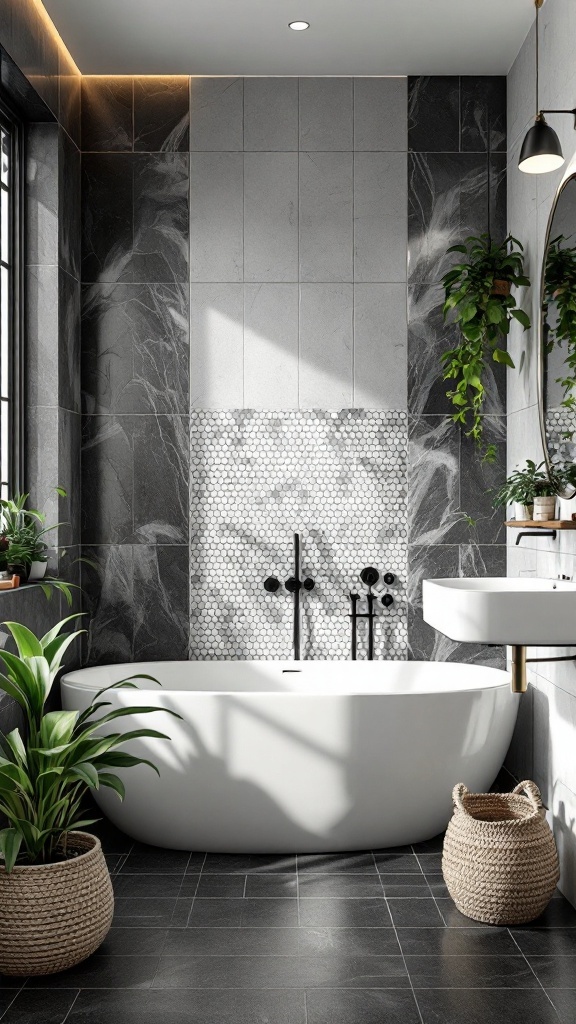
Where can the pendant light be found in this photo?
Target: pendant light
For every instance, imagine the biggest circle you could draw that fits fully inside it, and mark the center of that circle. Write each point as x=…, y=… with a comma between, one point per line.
x=541, y=150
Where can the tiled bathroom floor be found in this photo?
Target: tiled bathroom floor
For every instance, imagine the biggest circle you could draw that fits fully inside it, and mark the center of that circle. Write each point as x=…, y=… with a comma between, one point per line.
x=359, y=938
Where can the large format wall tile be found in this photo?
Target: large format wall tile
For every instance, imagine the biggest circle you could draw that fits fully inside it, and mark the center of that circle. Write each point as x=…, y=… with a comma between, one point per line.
x=326, y=202
x=326, y=332
x=161, y=114
x=380, y=217
x=326, y=114
x=380, y=114
x=216, y=114
x=271, y=346
x=256, y=477
x=216, y=217
x=271, y=217
x=271, y=114
x=216, y=346
x=380, y=346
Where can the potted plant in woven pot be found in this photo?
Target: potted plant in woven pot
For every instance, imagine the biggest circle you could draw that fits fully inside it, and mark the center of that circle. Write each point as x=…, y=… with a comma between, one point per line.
x=55, y=892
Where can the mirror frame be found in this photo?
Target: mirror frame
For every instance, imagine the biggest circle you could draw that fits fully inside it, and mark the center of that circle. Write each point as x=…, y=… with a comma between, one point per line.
x=569, y=175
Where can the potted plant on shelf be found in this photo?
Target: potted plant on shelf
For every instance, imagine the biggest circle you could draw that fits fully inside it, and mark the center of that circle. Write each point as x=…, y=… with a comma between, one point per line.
x=23, y=550
x=559, y=307
x=478, y=300
x=530, y=490
x=55, y=890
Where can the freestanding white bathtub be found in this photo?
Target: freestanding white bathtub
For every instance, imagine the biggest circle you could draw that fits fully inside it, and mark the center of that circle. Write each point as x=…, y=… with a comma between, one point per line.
x=278, y=757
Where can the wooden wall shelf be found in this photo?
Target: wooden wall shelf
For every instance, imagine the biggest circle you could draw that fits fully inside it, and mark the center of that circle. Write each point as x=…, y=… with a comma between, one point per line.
x=550, y=524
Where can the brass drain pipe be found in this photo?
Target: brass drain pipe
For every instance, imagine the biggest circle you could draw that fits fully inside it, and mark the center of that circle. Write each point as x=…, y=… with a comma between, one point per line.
x=519, y=679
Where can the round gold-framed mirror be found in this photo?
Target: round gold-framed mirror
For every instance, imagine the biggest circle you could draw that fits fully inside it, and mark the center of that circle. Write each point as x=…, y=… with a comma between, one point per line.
x=557, y=341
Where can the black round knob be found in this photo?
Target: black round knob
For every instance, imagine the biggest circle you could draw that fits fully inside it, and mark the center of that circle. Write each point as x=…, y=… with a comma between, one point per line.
x=387, y=600
x=292, y=585
x=370, y=576
x=271, y=584
x=389, y=578
x=308, y=584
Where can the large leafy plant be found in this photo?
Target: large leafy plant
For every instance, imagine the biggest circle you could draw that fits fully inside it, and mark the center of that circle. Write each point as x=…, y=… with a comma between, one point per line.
x=560, y=296
x=479, y=302
x=523, y=485
x=45, y=776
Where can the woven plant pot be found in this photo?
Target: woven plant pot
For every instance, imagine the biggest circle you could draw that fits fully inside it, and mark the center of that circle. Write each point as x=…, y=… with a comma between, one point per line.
x=500, y=861
x=52, y=916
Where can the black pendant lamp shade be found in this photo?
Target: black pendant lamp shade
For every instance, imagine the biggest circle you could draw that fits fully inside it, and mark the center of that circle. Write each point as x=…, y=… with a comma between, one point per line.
x=541, y=150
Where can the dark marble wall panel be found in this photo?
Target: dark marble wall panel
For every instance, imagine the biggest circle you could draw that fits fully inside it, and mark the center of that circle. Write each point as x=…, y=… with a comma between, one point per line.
x=456, y=187
x=135, y=365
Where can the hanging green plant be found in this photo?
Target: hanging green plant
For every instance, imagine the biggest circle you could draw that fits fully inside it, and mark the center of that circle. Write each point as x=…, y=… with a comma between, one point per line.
x=560, y=294
x=479, y=301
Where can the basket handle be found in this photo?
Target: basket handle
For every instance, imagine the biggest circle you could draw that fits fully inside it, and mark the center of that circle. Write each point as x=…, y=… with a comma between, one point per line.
x=459, y=791
x=532, y=792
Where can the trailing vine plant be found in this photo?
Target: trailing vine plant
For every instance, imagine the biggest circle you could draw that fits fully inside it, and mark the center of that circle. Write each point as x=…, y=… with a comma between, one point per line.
x=478, y=301
x=560, y=293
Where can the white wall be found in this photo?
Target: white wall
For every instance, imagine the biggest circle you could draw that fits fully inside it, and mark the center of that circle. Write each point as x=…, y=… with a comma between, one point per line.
x=545, y=742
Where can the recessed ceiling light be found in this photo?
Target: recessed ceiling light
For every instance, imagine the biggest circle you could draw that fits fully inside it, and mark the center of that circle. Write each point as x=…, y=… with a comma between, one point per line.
x=299, y=26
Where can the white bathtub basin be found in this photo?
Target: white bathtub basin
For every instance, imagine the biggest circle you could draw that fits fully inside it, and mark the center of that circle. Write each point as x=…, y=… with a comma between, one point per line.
x=277, y=757
x=497, y=610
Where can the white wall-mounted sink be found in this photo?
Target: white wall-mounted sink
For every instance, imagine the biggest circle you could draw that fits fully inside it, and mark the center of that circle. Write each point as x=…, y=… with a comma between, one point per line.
x=497, y=610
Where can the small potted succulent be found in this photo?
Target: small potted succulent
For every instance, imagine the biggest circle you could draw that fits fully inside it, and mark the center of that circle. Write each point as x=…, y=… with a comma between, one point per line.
x=55, y=892
x=531, y=491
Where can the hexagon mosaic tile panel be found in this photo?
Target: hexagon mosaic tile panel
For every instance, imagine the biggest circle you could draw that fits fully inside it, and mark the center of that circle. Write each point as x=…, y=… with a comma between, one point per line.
x=337, y=478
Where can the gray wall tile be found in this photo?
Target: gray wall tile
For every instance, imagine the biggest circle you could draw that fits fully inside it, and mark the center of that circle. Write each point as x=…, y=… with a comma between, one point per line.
x=271, y=114
x=380, y=222
x=216, y=113
x=216, y=217
x=325, y=346
x=326, y=113
x=216, y=346
x=381, y=114
x=326, y=216
x=271, y=346
x=380, y=346
x=271, y=217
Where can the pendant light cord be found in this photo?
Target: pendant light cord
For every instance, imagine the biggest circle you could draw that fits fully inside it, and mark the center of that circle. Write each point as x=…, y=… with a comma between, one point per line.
x=537, y=57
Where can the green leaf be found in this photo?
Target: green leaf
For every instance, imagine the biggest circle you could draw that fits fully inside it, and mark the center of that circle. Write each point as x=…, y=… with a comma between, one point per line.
x=501, y=356
x=87, y=773
x=522, y=318
x=28, y=645
x=113, y=782
x=57, y=727
x=10, y=843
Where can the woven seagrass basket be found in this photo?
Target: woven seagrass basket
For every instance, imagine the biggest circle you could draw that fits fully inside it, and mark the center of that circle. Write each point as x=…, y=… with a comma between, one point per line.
x=499, y=860
x=52, y=916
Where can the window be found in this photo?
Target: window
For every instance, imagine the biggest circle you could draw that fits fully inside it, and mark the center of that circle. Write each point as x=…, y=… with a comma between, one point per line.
x=11, y=206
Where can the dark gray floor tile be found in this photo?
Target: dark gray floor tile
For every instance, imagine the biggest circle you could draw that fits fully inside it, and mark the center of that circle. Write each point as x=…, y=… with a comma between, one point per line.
x=358, y=863
x=182, y=1007
x=143, y=913
x=470, y=972
x=392, y=863
x=269, y=913
x=113, y=861
x=103, y=972
x=339, y=971
x=456, y=942
x=44, y=1006
x=182, y=908
x=7, y=996
x=221, y=885
x=242, y=863
x=350, y=941
x=430, y=845
x=156, y=860
x=453, y=917
x=133, y=942
x=112, y=839
x=375, y=1006
x=272, y=885
x=564, y=1000
x=146, y=886
x=558, y=914
x=339, y=913
x=554, y=971
x=340, y=885
x=189, y=886
x=233, y=942
x=431, y=863
x=7, y=982
x=237, y=972
x=415, y=913
x=485, y=1006
x=404, y=885
x=546, y=941
x=215, y=913
x=437, y=885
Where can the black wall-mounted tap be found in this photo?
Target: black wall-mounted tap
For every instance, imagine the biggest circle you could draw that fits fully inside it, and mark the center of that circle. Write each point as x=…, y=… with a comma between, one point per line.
x=369, y=577
x=293, y=585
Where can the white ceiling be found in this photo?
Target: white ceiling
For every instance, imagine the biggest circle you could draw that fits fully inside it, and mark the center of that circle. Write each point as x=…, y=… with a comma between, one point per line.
x=251, y=37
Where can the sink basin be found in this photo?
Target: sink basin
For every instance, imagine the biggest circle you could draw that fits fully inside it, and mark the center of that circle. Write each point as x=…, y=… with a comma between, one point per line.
x=497, y=610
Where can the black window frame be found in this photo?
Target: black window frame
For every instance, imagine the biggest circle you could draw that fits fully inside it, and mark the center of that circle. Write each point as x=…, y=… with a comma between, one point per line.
x=13, y=124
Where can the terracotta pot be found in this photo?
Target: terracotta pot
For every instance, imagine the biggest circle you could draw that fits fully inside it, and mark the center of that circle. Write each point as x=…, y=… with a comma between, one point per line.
x=500, y=287
x=55, y=915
